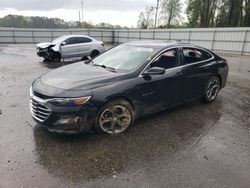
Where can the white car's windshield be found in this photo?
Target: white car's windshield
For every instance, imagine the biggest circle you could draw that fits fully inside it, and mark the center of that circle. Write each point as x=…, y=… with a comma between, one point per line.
x=59, y=39
x=125, y=57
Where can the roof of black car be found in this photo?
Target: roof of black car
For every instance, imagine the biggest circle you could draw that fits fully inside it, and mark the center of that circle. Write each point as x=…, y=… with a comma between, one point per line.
x=158, y=44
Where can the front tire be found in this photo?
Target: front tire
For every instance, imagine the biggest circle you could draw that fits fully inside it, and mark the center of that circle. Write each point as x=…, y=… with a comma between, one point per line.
x=212, y=89
x=115, y=117
x=56, y=57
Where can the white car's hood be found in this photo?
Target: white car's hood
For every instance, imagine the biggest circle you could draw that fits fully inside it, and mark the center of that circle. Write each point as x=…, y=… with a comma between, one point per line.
x=44, y=44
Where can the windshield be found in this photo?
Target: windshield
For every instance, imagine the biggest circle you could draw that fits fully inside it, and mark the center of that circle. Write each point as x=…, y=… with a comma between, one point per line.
x=124, y=57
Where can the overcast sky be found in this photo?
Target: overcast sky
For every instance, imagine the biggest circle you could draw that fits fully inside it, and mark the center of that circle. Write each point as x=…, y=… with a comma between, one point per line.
x=121, y=12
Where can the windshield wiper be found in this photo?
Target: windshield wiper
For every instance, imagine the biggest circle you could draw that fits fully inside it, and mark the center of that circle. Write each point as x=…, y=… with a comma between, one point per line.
x=105, y=67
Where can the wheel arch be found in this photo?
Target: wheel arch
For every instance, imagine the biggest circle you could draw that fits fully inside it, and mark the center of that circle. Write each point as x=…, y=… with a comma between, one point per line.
x=220, y=78
x=95, y=50
x=121, y=98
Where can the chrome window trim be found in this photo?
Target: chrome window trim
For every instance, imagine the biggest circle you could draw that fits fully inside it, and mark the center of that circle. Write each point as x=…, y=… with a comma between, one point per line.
x=165, y=50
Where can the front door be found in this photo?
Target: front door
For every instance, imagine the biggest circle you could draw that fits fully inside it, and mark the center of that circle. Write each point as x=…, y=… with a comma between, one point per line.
x=70, y=49
x=157, y=92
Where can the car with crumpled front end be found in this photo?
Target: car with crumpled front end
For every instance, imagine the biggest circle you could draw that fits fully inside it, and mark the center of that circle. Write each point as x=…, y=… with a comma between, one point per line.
x=69, y=46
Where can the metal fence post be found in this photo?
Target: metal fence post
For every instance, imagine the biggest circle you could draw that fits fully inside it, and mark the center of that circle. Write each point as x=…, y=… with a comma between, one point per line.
x=102, y=34
x=244, y=43
x=113, y=37
x=140, y=35
x=213, y=40
x=189, y=36
x=13, y=35
x=169, y=38
x=118, y=36
x=51, y=34
x=128, y=36
x=33, y=39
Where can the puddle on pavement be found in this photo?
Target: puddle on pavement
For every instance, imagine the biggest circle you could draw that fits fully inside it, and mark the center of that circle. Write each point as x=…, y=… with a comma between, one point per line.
x=91, y=156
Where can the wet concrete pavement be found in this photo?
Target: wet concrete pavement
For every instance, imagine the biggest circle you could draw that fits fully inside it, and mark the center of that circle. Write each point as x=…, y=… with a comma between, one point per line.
x=192, y=145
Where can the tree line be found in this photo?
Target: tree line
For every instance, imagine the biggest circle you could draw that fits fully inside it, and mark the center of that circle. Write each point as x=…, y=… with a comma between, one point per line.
x=53, y=23
x=198, y=13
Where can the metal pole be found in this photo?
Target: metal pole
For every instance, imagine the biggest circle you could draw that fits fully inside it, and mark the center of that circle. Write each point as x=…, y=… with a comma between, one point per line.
x=113, y=36
x=33, y=39
x=128, y=36
x=51, y=34
x=13, y=34
x=244, y=43
x=156, y=14
x=79, y=17
x=82, y=11
x=213, y=40
x=189, y=36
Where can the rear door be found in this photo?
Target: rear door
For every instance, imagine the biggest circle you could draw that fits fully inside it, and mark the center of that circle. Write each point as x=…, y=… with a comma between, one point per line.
x=85, y=46
x=197, y=69
x=70, y=49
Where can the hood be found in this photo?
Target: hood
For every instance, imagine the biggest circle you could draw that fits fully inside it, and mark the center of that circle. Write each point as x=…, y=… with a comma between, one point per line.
x=45, y=45
x=79, y=76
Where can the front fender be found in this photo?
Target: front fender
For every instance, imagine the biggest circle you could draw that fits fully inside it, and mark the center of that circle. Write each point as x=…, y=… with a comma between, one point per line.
x=57, y=48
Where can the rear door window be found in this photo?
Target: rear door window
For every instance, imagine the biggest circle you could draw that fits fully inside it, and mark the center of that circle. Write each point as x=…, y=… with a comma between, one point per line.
x=193, y=55
x=83, y=40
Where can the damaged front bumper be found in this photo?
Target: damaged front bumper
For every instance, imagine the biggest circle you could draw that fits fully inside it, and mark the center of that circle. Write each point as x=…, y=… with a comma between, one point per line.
x=42, y=52
x=70, y=120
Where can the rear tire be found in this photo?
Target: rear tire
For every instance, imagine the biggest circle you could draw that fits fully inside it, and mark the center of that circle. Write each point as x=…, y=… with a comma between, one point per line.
x=212, y=89
x=114, y=117
x=94, y=53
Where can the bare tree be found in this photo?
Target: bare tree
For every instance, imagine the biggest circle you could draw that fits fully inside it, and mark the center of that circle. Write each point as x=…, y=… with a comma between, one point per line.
x=201, y=13
x=146, y=18
x=171, y=11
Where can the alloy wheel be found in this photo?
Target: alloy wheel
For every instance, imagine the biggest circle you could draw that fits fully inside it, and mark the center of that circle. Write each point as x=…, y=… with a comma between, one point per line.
x=213, y=88
x=115, y=119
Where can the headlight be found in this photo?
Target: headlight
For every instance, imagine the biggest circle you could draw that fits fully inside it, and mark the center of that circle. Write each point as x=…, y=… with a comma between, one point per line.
x=70, y=102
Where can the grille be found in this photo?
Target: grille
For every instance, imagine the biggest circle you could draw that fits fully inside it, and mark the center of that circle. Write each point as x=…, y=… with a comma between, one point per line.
x=39, y=111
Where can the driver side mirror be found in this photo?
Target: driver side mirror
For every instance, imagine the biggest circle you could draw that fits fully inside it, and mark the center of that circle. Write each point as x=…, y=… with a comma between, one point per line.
x=154, y=71
x=63, y=43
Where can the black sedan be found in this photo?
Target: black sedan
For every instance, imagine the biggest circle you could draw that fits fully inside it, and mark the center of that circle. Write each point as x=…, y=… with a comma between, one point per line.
x=127, y=82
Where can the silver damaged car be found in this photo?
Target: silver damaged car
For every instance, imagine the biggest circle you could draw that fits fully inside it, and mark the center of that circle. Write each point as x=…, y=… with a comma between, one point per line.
x=68, y=46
